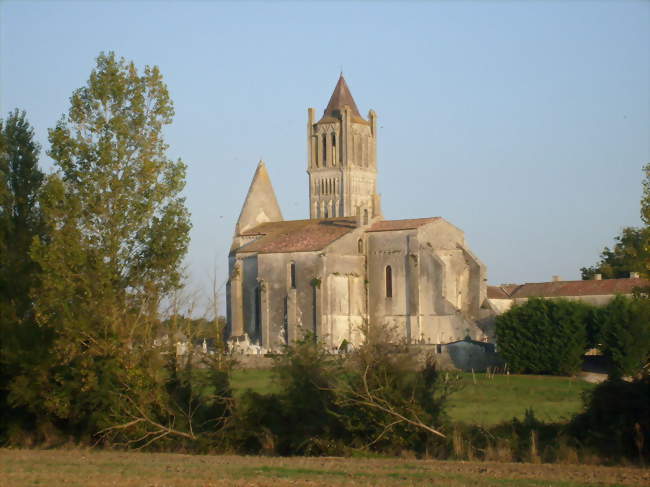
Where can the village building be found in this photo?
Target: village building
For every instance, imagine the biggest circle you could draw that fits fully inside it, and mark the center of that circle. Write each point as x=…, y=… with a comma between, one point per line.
x=346, y=265
x=597, y=291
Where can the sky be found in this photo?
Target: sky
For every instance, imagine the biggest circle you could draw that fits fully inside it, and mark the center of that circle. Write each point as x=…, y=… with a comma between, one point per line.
x=525, y=124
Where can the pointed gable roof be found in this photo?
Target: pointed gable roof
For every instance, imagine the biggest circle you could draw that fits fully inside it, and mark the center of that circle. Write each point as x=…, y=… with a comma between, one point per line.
x=261, y=205
x=341, y=97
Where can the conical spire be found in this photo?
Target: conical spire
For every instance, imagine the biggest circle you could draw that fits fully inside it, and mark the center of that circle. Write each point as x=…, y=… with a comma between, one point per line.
x=341, y=97
x=261, y=205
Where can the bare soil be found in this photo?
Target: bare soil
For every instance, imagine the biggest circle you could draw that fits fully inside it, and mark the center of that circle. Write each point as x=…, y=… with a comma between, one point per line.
x=105, y=468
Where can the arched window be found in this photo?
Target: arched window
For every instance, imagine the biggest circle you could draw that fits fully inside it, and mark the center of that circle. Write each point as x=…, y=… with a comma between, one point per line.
x=365, y=217
x=333, y=149
x=258, y=313
x=389, y=282
x=360, y=246
x=324, y=150
x=292, y=275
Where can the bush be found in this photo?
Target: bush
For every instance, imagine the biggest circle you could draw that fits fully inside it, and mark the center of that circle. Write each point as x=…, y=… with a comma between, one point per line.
x=544, y=336
x=302, y=418
x=624, y=326
x=616, y=420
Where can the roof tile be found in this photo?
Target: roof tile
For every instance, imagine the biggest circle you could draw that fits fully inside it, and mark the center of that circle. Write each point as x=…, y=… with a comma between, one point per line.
x=394, y=225
x=297, y=235
x=558, y=289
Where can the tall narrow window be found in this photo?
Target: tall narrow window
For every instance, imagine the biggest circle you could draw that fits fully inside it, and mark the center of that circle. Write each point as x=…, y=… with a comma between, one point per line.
x=365, y=217
x=389, y=282
x=360, y=246
x=292, y=275
x=333, y=149
x=324, y=150
x=258, y=314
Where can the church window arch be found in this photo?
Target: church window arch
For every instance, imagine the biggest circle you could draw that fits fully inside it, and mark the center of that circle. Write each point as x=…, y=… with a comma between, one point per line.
x=324, y=150
x=333, y=148
x=292, y=275
x=360, y=246
x=258, y=312
x=389, y=282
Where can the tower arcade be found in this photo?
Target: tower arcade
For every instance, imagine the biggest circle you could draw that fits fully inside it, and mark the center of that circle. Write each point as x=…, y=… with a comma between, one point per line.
x=342, y=160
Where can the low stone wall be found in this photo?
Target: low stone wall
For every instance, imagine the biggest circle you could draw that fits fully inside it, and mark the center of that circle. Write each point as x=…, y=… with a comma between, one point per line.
x=463, y=355
x=253, y=361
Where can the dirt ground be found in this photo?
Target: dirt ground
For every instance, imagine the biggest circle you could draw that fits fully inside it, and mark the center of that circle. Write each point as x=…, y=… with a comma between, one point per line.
x=102, y=468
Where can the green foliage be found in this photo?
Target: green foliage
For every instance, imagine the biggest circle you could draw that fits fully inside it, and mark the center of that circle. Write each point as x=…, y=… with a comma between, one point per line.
x=543, y=336
x=21, y=341
x=376, y=399
x=390, y=402
x=630, y=254
x=302, y=417
x=616, y=420
x=645, y=200
x=624, y=326
x=116, y=231
x=632, y=250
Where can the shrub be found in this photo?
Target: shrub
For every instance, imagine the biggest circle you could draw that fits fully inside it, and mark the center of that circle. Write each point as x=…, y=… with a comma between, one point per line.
x=390, y=402
x=624, y=326
x=616, y=420
x=544, y=336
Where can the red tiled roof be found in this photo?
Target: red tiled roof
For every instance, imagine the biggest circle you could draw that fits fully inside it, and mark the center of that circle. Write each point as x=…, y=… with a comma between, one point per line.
x=297, y=235
x=497, y=292
x=558, y=289
x=392, y=225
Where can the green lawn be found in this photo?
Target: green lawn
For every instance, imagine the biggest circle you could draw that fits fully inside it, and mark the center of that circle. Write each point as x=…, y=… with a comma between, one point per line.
x=481, y=400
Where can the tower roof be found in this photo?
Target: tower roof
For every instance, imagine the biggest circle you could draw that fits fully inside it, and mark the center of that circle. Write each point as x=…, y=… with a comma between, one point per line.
x=341, y=96
x=261, y=204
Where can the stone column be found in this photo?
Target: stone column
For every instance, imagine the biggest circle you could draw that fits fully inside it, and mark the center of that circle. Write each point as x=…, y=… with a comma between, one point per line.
x=237, y=299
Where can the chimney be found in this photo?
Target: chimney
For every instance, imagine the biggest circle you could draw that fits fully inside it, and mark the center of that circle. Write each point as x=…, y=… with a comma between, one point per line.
x=598, y=277
x=634, y=275
x=556, y=279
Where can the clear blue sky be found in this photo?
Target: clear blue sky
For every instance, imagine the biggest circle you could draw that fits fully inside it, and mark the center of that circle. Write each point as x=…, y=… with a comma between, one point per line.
x=525, y=124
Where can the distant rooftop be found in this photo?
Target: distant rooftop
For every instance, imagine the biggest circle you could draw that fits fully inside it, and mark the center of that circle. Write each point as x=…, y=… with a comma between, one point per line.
x=558, y=289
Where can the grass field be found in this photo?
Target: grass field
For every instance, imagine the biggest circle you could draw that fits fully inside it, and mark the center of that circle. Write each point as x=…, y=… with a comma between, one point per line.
x=481, y=400
x=74, y=468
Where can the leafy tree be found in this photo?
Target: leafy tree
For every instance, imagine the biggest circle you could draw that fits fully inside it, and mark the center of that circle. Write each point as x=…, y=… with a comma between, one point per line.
x=645, y=200
x=20, y=222
x=625, y=334
x=116, y=233
x=20, y=217
x=544, y=336
x=631, y=253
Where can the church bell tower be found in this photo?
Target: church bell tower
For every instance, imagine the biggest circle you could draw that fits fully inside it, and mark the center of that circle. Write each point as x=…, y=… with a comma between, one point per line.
x=342, y=161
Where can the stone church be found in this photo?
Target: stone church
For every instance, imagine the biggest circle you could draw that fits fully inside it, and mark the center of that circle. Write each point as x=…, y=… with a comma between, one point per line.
x=346, y=264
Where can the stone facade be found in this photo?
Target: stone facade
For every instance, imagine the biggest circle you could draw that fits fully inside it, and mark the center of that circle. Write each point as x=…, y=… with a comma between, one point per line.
x=346, y=265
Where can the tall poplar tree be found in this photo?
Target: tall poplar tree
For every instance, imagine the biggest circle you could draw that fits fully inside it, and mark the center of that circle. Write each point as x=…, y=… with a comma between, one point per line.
x=20, y=222
x=117, y=229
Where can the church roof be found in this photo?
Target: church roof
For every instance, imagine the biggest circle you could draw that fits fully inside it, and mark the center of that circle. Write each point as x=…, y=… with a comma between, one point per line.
x=341, y=96
x=297, y=235
x=260, y=205
x=394, y=225
x=558, y=289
